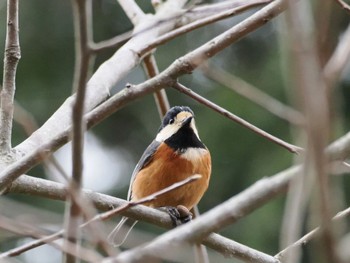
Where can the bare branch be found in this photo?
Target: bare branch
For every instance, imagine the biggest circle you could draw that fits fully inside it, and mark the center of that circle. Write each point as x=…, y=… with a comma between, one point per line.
x=232, y=249
x=83, y=36
x=11, y=58
x=290, y=147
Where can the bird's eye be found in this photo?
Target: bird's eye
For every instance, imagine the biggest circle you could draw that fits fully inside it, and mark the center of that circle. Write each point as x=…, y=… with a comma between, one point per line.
x=171, y=121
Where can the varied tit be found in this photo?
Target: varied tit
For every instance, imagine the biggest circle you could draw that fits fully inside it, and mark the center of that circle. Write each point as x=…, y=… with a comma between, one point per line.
x=175, y=154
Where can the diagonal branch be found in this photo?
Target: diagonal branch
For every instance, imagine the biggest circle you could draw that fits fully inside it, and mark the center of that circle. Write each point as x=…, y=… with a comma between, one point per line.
x=292, y=148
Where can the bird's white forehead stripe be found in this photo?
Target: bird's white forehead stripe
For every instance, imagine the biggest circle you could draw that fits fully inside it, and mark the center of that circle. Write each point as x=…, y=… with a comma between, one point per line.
x=166, y=132
x=193, y=154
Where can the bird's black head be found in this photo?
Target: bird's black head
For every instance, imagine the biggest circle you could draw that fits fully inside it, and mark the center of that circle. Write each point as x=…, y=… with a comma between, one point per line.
x=178, y=129
x=170, y=116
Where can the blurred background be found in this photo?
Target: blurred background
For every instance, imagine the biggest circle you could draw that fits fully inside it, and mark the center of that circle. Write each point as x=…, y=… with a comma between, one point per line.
x=240, y=157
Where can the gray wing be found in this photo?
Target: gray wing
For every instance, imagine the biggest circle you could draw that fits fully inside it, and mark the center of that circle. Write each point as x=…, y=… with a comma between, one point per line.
x=146, y=158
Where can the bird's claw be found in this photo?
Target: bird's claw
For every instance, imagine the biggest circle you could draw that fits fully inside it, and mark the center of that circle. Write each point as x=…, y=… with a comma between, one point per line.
x=178, y=215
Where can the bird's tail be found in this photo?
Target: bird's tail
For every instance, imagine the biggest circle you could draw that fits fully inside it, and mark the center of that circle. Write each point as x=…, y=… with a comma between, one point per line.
x=121, y=231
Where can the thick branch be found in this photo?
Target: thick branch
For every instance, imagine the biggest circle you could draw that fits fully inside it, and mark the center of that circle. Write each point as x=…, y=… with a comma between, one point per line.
x=11, y=58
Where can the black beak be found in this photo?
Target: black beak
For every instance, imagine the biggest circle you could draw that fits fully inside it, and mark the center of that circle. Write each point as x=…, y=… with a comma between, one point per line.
x=187, y=121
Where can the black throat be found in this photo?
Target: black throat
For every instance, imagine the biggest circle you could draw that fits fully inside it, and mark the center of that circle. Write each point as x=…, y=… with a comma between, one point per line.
x=183, y=139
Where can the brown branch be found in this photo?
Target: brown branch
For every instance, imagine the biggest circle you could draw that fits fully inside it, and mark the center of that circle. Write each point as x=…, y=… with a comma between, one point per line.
x=253, y=94
x=83, y=35
x=290, y=147
x=11, y=59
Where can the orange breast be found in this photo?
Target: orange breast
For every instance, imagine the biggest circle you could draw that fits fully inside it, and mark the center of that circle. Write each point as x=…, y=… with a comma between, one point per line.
x=167, y=168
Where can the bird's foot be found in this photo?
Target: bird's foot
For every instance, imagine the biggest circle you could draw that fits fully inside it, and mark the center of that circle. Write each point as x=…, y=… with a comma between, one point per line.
x=178, y=215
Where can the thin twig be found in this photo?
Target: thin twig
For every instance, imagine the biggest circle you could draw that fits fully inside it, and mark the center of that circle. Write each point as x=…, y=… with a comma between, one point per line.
x=160, y=96
x=11, y=59
x=290, y=147
x=254, y=94
x=83, y=35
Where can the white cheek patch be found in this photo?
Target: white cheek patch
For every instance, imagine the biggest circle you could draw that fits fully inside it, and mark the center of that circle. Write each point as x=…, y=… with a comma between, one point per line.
x=167, y=132
x=193, y=154
x=193, y=126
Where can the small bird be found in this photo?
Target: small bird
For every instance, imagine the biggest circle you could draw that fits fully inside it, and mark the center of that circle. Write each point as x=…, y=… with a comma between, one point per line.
x=175, y=154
